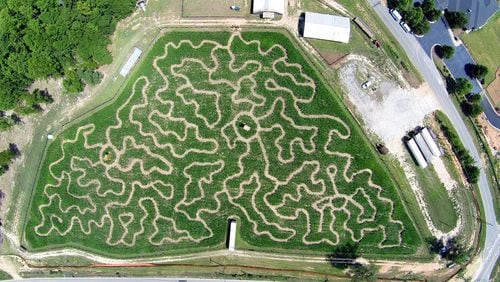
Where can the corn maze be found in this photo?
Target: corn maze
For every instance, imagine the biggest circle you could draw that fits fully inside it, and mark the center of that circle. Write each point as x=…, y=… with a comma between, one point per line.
x=212, y=126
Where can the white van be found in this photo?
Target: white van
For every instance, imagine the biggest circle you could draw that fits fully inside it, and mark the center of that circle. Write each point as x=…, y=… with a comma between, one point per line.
x=396, y=15
x=405, y=26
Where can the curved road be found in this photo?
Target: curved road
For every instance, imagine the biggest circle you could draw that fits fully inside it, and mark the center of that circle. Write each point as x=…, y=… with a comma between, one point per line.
x=424, y=64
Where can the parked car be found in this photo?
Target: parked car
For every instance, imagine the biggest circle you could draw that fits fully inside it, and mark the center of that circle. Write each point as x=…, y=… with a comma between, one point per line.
x=405, y=26
x=396, y=15
x=235, y=8
x=366, y=84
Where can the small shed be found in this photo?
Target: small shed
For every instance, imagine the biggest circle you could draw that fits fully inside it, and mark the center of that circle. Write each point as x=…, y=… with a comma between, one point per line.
x=327, y=27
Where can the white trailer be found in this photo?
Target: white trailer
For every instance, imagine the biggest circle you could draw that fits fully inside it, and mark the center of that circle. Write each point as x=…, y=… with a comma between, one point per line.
x=433, y=146
x=232, y=235
x=131, y=62
x=423, y=147
x=416, y=153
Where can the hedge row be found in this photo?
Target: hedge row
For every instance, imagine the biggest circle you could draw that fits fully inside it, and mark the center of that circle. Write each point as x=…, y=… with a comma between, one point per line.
x=466, y=160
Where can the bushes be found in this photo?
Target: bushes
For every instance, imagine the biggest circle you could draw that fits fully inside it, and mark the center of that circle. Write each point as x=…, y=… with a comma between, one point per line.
x=6, y=157
x=476, y=71
x=445, y=51
x=468, y=164
x=460, y=87
x=456, y=19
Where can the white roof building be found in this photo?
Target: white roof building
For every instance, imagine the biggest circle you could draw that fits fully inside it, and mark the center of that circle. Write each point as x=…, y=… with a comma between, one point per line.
x=327, y=27
x=131, y=62
x=275, y=6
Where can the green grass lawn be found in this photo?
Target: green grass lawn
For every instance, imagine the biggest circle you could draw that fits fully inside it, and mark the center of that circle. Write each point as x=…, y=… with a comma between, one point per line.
x=483, y=45
x=4, y=276
x=441, y=208
x=212, y=128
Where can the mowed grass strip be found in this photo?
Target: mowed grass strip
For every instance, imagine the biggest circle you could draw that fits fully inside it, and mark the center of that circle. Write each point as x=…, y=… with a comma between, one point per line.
x=483, y=45
x=70, y=200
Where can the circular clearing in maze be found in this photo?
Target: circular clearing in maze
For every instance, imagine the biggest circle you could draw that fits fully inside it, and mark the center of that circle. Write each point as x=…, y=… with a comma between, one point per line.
x=108, y=155
x=245, y=126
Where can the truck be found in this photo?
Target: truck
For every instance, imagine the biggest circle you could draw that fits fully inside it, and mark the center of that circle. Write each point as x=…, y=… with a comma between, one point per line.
x=396, y=15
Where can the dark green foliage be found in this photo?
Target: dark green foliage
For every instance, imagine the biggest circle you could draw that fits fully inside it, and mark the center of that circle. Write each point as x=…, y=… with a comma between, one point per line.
x=472, y=105
x=401, y=5
x=362, y=272
x=468, y=164
x=460, y=87
x=90, y=77
x=72, y=82
x=413, y=16
x=421, y=28
x=450, y=249
x=456, y=19
x=41, y=39
x=6, y=156
x=445, y=51
x=5, y=123
x=476, y=70
x=430, y=12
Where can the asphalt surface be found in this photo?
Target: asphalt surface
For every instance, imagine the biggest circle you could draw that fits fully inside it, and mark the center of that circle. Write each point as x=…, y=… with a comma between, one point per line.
x=439, y=34
x=424, y=64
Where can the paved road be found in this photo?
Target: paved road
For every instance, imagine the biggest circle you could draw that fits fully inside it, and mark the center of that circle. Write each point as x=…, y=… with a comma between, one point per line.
x=440, y=34
x=424, y=64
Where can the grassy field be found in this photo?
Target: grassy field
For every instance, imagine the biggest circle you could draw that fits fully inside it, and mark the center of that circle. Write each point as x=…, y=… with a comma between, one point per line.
x=205, y=132
x=441, y=208
x=215, y=8
x=4, y=276
x=483, y=45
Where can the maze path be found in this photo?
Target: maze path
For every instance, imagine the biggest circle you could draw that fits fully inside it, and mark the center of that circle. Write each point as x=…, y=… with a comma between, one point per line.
x=176, y=155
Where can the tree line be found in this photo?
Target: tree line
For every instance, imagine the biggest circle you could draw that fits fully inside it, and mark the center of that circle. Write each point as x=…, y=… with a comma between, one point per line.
x=53, y=38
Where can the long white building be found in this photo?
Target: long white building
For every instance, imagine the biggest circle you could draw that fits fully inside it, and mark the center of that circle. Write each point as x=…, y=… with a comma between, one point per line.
x=423, y=147
x=416, y=153
x=131, y=62
x=431, y=142
x=232, y=235
x=327, y=27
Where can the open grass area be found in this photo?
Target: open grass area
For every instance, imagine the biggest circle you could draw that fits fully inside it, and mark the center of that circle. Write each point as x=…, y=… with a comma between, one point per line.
x=212, y=126
x=483, y=45
x=441, y=208
x=215, y=8
x=4, y=276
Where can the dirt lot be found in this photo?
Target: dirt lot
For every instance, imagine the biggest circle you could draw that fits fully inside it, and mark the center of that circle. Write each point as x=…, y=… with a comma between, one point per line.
x=494, y=90
x=492, y=135
x=388, y=110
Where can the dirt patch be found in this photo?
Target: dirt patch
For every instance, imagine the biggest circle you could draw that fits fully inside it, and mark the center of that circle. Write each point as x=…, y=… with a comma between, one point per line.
x=493, y=90
x=491, y=134
x=388, y=110
x=331, y=58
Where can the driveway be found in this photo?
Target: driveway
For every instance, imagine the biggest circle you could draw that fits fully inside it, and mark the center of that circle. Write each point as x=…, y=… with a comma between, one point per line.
x=420, y=58
x=440, y=34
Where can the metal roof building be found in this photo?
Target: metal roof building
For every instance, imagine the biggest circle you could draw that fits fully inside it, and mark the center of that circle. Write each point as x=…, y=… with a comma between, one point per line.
x=275, y=6
x=327, y=27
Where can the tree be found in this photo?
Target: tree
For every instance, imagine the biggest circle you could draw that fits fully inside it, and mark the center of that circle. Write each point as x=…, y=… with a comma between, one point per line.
x=72, y=83
x=413, y=16
x=421, y=28
x=445, y=51
x=401, y=5
x=472, y=110
x=430, y=12
x=476, y=71
x=461, y=86
x=362, y=272
x=456, y=19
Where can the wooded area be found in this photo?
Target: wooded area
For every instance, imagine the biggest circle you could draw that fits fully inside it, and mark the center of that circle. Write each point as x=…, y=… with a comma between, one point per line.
x=54, y=38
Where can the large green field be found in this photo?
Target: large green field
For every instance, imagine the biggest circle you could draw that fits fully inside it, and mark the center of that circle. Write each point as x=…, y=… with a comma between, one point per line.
x=212, y=126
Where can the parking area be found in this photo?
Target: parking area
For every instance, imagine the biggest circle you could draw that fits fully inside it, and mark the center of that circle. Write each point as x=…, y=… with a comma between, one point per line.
x=216, y=8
